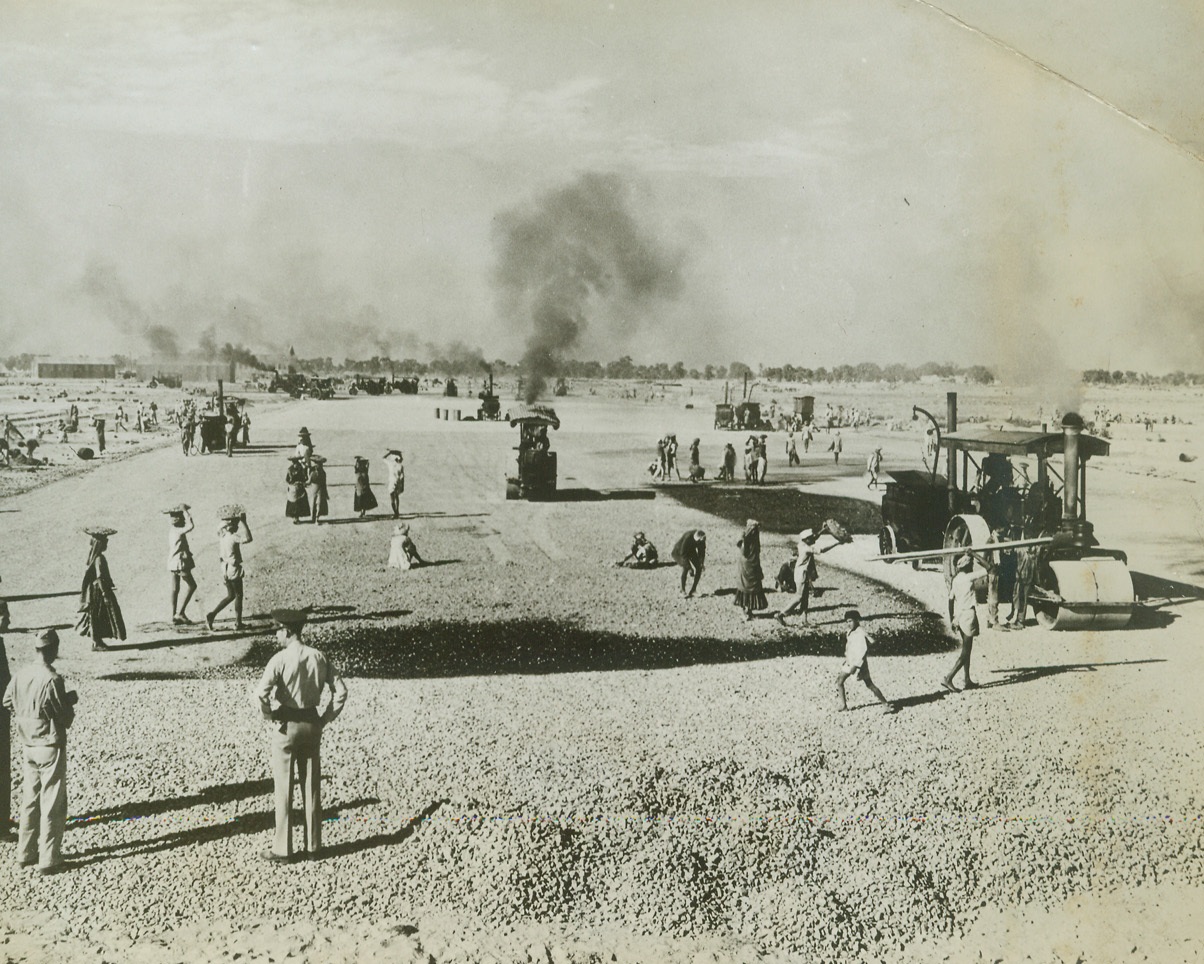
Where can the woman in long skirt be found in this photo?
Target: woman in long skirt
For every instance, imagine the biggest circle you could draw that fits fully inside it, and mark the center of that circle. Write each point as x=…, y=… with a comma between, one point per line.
x=750, y=593
x=100, y=615
x=319, y=501
x=364, y=499
x=297, y=506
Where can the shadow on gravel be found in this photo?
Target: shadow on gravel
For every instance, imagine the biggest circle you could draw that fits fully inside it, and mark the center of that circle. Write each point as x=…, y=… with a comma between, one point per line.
x=1029, y=674
x=783, y=510
x=400, y=835
x=221, y=793
x=434, y=649
x=599, y=495
x=907, y=702
x=1157, y=593
x=248, y=823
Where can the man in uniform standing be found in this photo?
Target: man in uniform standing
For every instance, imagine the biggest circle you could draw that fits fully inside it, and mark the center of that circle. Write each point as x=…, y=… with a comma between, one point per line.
x=39, y=702
x=292, y=694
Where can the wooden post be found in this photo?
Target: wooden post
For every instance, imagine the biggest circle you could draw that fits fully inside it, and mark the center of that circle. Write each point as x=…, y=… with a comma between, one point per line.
x=6, y=752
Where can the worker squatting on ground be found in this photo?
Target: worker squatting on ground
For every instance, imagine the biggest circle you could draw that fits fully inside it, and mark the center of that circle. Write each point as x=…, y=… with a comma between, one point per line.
x=857, y=661
x=403, y=554
x=300, y=693
x=643, y=554
x=43, y=709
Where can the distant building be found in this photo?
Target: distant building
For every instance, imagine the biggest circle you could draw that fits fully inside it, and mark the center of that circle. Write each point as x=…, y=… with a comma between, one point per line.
x=179, y=370
x=73, y=368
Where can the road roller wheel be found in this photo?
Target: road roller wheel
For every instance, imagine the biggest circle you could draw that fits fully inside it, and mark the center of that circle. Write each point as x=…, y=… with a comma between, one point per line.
x=887, y=543
x=962, y=530
x=1092, y=593
x=513, y=491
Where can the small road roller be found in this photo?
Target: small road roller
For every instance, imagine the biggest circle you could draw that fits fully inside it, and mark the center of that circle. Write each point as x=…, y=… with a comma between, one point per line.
x=1078, y=584
x=536, y=478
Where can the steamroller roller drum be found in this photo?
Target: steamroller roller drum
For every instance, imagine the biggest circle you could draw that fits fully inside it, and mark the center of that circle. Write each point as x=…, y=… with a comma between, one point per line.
x=962, y=530
x=1094, y=593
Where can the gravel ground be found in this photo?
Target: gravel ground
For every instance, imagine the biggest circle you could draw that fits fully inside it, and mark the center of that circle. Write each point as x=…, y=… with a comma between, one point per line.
x=547, y=758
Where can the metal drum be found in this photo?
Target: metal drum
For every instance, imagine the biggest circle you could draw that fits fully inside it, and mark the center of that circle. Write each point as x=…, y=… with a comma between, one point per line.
x=1095, y=593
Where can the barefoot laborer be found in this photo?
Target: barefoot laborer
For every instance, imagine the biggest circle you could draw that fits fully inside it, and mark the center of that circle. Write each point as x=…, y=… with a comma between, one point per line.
x=856, y=661
x=231, y=537
x=964, y=617
x=179, y=561
x=690, y=553
x=395, y=467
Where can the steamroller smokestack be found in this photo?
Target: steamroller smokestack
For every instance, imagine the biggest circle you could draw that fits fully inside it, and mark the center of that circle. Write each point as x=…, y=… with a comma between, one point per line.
x=1074, y=521
x=951, y=467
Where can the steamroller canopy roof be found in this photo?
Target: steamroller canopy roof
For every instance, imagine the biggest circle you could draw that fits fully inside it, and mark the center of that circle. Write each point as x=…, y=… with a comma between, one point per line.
x=1040, y=444
x=534, y=415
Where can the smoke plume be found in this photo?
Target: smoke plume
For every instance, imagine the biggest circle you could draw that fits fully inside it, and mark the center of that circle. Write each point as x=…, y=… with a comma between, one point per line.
x=101, y=283
x=577, y=254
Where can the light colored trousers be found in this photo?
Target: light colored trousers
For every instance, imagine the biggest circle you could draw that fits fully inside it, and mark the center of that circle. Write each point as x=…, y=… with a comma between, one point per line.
x=43, y=805
x=297, y=749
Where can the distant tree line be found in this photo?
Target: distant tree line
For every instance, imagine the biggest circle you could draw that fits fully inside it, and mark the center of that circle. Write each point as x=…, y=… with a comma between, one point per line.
x=627, y=369
x=1100, y=376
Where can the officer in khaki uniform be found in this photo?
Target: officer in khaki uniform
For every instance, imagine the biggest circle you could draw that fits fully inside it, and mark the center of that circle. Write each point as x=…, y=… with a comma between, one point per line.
x=293, y=694
x=42, y=709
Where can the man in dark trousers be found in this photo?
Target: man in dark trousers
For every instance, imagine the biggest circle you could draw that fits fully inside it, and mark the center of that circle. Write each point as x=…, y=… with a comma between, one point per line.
x=37, y=698
x=293, y=694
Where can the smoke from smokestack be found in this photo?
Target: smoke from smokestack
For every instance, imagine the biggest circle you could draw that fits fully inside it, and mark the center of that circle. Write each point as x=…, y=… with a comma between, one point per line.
x=578, y=253
x=101, y=283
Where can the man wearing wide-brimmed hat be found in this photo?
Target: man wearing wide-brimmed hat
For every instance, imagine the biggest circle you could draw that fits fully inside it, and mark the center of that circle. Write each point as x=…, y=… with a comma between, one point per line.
x=300, y=692
x=42, y=709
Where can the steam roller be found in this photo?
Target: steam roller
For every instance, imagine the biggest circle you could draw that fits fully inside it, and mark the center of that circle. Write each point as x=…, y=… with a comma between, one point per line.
x=1076, y=584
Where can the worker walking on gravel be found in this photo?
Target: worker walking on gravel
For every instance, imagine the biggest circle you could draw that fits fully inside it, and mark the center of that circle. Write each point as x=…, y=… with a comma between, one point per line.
x=300, y=692
x=857, y=663
x=805, y=574
x=179, y=561
x=963, y=614
x=231, y=537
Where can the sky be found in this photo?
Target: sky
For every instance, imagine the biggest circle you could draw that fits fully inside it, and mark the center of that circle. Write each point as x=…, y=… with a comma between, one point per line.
x=994, y=182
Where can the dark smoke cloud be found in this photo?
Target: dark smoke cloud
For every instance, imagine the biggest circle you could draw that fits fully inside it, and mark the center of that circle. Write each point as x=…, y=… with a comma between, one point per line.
x=459, y=357
x=577, y=254
x=102, y=285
